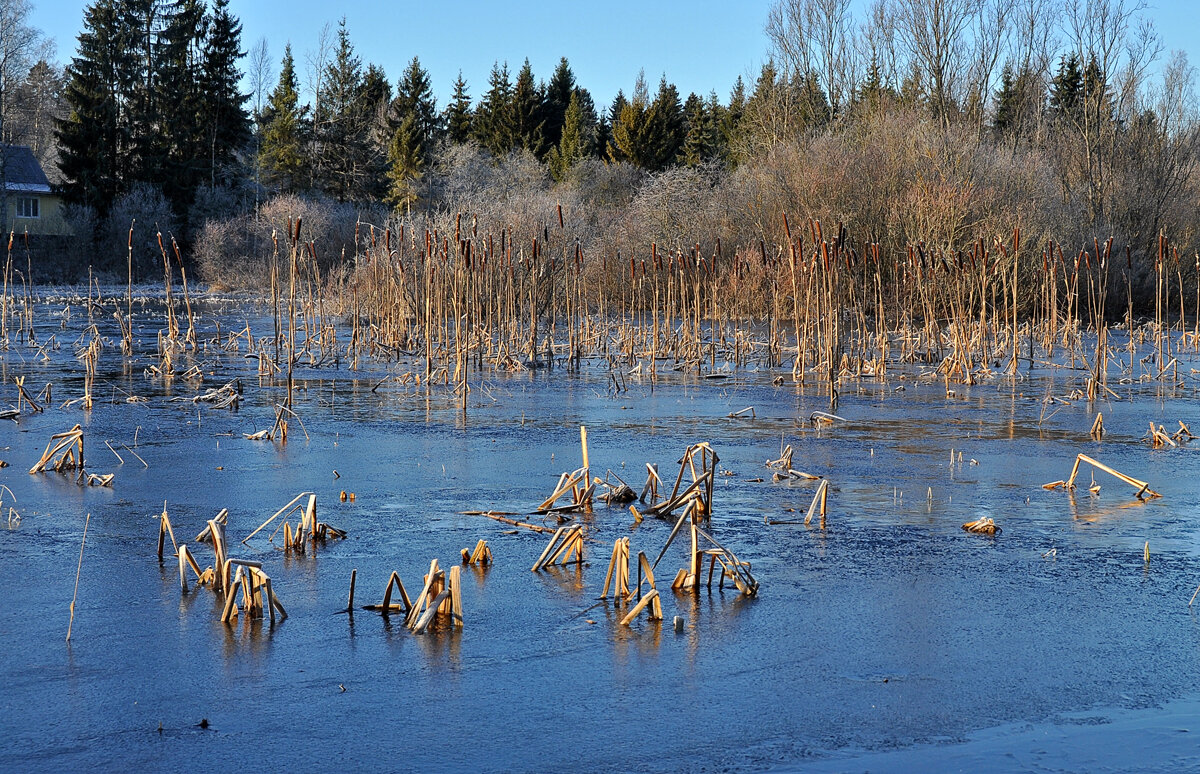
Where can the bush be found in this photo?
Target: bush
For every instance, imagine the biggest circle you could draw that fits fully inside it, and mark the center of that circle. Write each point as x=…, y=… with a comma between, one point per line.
x=238, y=252
x=145, y=211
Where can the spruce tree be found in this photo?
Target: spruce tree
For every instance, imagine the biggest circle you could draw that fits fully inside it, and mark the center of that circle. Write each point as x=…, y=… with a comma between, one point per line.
x=1066, y=89
x=341, y=125
x=729, y=125
x=575, y=142
x=406, y=163
x=589, y=121
x=604, y=127
x=559, y=92
x=527, y=112
x=1096, y=97
x=457, y=117
x=414, y=97
x=699, y=132
x=283, y=132
x=142, y=24
x=493, y=125
x=634, y=130
x=717, y=117
x=665, y=129
x=95, y=155
x=872, y=91
x=176, y=153
x=1006, y=102
x=223, y=105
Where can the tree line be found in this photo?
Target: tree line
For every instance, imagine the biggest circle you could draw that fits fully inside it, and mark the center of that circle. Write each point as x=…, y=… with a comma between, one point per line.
x=361, y=140
x=1064, y=90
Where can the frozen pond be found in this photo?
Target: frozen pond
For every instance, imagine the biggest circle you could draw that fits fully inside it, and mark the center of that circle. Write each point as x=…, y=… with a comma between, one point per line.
x=890, y=640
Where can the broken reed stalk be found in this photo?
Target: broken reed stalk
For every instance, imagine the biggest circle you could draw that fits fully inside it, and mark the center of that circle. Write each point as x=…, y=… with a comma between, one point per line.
x=567, y=542
x=820, y=498
x=285, y=509
x=1143, y=489
x=70, y=444
x=78, y=570
x=648, y=599
x=164, y=529
x=503, y=518
x=186, y=560
x=618, y=571
x=481, y=555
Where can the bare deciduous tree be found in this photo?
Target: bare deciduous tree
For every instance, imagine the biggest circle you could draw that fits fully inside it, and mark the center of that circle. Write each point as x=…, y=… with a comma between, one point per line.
x=936, y=36
x=1116, y=45
x=992, y=31
x=813, y=37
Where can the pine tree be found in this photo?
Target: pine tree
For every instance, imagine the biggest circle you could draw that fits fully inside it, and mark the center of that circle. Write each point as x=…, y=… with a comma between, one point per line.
x=38, y=107
x=283, y=132
x=457, y=117
x=527, y=111
x=559, y=92
x=493, y=125
x=223, y=105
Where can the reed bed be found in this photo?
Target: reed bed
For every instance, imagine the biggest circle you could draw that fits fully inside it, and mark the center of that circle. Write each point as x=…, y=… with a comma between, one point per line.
x=825, y=306
x=455, y=301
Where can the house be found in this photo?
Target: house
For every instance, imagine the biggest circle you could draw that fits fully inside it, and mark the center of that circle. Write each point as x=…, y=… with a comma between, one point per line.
x=32, y=206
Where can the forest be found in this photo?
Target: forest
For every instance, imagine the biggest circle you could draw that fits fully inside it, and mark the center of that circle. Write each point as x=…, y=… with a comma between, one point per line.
x=930, y=123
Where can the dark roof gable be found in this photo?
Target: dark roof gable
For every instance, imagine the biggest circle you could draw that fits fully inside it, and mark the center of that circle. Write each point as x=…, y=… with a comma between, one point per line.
x=22, y=172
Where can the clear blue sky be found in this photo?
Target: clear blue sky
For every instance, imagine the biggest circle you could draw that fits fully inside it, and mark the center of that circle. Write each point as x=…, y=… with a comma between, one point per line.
x=701, y=45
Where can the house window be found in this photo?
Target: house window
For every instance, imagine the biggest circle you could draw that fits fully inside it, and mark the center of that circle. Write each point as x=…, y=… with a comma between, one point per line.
x=28, y=207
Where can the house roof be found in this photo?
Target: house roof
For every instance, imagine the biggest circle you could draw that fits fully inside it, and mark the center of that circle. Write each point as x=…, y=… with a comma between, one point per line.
x=22, y=172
